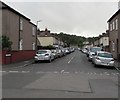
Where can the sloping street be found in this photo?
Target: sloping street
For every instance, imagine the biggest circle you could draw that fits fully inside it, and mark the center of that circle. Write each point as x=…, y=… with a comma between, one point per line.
x=71, y=76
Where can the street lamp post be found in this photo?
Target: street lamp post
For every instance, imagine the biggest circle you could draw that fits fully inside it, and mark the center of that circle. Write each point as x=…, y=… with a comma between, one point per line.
x=36, y=34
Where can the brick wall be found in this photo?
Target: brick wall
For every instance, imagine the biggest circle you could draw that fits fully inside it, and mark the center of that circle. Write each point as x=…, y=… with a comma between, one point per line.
x=16, y=56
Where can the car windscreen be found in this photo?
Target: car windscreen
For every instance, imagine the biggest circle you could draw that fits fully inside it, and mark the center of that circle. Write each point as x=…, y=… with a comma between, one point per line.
x=106, y=55
x=41, y=52
x=95, y=49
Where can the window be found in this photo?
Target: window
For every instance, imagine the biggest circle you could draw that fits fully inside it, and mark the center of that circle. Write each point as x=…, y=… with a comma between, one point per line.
x=113, y=46
x=116, y=23
x=110, y=27
x=21, y=44
x=113, y=25
x=21, y=24
x=33, y=46
x=33, y=30
x=106, y=55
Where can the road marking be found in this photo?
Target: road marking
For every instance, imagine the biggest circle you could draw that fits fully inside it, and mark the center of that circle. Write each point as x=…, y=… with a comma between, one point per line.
x=107, y=74
x=2, y=71
x=81, y=72
x=25, y=65
x=70, y=60
x=62, y=71
x=40, y=72
x=113, y=73
x=76, y=72
x=48, y=72
x=13, y=71
x=117, y=73
x=66, y=72
x=25, y=71
x=55, y=72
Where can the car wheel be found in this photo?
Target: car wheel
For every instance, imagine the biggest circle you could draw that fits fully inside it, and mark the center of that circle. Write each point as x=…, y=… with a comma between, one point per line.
x=92, y=62
x=50, y=60
x=95, y=65
x=35, y=61
x=89, y=59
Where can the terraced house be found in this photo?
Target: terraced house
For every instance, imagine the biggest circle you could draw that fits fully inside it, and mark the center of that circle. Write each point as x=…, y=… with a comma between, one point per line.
x=114, y=34
x=47, y=38
x=21, y=32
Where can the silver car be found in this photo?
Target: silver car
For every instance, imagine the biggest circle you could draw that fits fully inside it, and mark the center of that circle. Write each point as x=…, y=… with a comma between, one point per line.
x=103, y=58
x=92, y=52
x=54, y=52
x=44, y=55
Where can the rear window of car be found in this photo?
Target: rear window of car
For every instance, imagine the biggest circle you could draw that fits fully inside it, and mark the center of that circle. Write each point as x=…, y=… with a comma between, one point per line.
x=41, y=52
x=106, y=55
x=95, y=49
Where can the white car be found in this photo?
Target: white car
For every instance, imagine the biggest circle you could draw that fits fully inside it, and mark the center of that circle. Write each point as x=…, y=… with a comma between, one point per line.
x=54, y=52
x=84, y=50
x=92, y=52
x=44, y=55
x=103, y=58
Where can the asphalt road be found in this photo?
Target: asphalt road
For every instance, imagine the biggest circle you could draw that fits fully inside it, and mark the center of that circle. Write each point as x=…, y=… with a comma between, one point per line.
x=71, y=76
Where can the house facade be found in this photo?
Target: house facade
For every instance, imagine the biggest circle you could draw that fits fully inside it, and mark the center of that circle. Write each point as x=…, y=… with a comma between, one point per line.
x=87, y=44
x=104, y=41
x=20, y=30
x=97, y=42
x=114, y=34
x=46, y=38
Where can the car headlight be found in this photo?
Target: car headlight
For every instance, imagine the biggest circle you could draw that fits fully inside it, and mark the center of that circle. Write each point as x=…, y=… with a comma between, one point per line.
x=36, y=57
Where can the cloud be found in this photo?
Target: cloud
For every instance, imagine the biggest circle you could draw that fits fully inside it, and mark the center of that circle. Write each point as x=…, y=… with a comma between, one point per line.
x=60, y=0
x=83, y=18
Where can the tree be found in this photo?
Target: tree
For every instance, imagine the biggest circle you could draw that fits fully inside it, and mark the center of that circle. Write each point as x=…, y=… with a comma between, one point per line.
x=5, y=43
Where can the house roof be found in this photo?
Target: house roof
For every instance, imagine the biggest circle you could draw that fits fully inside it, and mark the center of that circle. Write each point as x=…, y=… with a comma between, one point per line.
x=5, y=6
x=33, y=24
x=45, y=33
x=114, y=15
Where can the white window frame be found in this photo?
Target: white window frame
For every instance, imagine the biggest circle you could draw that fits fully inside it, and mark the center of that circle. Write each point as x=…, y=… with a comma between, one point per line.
x=21, y=24
x=21, y=45
x=110, y=27
x=33, y=46
x=116, y=24
x=33, y=30
x=113, y=46
x=113, y=25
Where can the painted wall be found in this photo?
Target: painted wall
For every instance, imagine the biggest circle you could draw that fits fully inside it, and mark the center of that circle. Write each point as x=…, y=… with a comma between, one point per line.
x=45, y=41
x=16, y=56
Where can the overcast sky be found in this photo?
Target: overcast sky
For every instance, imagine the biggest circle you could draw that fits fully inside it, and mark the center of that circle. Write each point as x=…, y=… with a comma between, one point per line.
x=81, y=18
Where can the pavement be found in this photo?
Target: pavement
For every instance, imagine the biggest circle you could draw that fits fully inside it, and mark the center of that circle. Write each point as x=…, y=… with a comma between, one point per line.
x=117, y=66
x=19, y=64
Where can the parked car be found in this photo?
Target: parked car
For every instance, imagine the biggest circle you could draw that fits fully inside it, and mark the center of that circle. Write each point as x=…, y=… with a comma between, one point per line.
x=60, y=53
x=79, y=49
x=103, y=58
x=67, y=51
x=84, y=50
x=72, y=49
x=87, y=53
x=44, y=55
x=92, y=52
x=63, y=50
x=55, y=54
